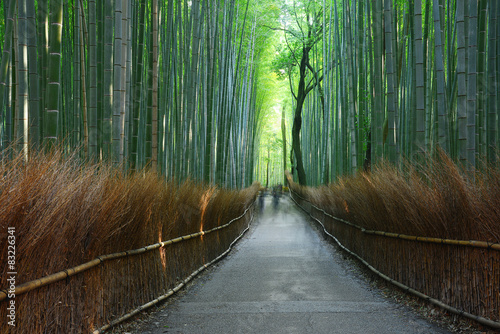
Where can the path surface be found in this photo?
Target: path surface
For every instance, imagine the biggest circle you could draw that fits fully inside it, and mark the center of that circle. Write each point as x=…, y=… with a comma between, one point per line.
x=283, y=278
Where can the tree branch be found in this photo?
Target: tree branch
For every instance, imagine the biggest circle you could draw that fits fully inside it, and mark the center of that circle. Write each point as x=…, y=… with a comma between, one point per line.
x=291, y=50
x=311, y=87
x=288, y=31
x=297, y=19
x=291, y=86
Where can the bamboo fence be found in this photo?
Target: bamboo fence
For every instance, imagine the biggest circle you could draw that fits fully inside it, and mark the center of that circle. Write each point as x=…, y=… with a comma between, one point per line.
x=96, y=295
x=460, y=276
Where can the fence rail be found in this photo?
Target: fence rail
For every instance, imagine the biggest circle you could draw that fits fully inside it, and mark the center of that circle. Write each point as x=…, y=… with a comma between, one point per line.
x=180, y=285
x=63, y=274
x=98, y=294
x=471, y=243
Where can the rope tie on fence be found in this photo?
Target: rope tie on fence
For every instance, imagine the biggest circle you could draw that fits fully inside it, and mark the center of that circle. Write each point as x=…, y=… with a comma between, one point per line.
x=63, y=274
x=481, y=244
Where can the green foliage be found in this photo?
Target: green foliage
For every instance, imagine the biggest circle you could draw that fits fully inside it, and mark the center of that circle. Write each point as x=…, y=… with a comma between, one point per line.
x=284, y=62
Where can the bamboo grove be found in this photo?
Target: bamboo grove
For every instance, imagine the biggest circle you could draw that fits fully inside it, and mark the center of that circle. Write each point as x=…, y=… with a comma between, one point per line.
x=186, y=87
x=165, y=84
x=391, y=79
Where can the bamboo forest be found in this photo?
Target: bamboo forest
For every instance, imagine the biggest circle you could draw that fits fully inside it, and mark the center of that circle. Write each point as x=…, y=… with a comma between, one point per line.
x=221, y=90
x=128, y=126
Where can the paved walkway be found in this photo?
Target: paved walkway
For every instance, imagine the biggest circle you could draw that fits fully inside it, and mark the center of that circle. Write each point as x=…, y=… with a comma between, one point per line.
x=283, y=277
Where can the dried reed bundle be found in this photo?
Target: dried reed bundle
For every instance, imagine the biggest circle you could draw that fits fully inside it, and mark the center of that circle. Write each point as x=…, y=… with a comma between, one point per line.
x=66, y=212
x=437, y=199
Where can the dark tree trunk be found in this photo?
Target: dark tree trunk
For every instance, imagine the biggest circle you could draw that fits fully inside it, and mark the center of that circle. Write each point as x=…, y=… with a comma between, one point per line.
x=283, y=134
x=297, y=120
x=367, y=165
x=267, y=171
x=297, y=123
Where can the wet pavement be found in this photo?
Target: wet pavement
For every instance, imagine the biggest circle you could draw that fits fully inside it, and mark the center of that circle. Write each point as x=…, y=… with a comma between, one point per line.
x=283, y=277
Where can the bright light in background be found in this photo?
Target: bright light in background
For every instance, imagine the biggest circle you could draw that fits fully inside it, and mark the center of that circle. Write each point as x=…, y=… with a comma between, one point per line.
x=270, y=164
x=274, y=92
x=275, y=121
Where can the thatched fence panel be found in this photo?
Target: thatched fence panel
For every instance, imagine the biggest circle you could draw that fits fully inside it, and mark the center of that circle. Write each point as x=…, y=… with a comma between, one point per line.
x=459, y=275
x=86, y=300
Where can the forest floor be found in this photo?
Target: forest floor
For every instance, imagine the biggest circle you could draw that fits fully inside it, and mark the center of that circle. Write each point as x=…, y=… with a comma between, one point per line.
x=284, y=277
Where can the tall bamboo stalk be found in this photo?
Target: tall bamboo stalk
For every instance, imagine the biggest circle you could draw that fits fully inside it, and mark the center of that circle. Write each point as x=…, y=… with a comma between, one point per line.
x=419, y=143
x=22, y=80
x=51, y=114
x=471, y=85
x=154, y=138
x=34, y=92
x=6, y=58
x=116, y=152
x=92, y=58
x=108, y=83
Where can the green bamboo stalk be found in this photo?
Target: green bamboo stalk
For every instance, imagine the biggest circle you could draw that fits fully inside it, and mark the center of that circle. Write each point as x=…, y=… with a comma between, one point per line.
x=148, y=150
x=362, y=83
x=221, y=117
x=137, y=78
x=471, y=86
x=497, y=73
x=11, y=99
x=43, y=52
x=77, y=82
x=6, y=52
x=391, y=84
x=83, y=75
x=34, y=92
x=124, y=106
x=169, y=93
x=428, y=79
x=67, y=81
x=22, y=83
x=51, y=114
x=351, y=86
x=461, y=83
x=481, y=80
x=92, y=60
x=116, y=152
x=154, y=105
x=108, y=82
x=492, y=106
x=378, y=112
x=443, y=121
x=129, y=23
x=100, y=76
x=211, y=28
x=419, y=144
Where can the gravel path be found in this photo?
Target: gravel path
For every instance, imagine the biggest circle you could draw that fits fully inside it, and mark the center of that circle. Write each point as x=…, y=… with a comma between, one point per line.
x=283, y=278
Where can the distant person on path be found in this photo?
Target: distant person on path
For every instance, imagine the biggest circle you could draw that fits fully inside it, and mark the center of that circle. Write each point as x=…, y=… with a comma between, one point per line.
x=261, y=201
x=276, y=197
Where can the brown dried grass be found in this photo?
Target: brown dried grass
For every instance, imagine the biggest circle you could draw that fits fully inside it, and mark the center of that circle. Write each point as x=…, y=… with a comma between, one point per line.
x=437, y=199
x=66, y=213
